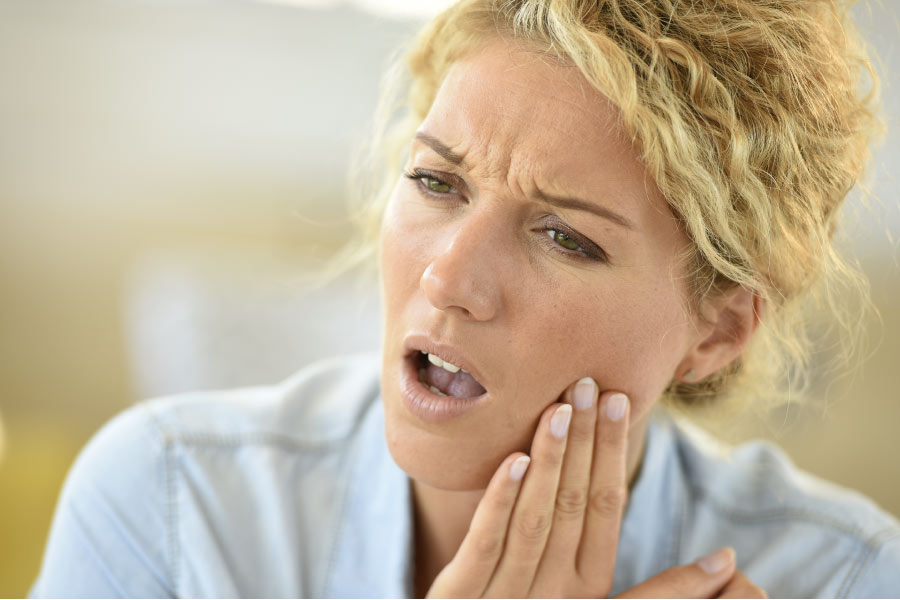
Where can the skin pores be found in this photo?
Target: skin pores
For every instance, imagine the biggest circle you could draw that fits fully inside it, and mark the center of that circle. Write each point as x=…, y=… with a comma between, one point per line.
x=474, y=264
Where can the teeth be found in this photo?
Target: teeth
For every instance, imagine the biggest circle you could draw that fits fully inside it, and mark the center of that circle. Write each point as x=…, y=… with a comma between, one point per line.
x=439, y=362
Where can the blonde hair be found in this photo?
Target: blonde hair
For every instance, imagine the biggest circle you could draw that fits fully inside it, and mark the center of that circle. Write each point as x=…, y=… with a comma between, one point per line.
x=749, y=115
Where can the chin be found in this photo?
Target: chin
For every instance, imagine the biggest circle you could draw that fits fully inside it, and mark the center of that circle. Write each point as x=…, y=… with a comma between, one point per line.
x=443, y=462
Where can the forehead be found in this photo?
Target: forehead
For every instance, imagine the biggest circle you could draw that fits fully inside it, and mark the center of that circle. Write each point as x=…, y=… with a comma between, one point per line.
x=507, y=102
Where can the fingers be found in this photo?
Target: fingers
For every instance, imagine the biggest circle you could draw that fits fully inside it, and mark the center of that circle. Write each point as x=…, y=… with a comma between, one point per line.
x=571, y=497
x=702, y=579
x=741, y=587
x=471, y=569
x=532, y=516
x=557, y=565
x=607, y=493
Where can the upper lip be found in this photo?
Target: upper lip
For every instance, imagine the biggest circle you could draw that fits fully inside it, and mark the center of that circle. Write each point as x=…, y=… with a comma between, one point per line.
x=423, y=343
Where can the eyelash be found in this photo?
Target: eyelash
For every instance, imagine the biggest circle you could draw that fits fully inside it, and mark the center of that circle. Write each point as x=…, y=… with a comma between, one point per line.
x=418, y=175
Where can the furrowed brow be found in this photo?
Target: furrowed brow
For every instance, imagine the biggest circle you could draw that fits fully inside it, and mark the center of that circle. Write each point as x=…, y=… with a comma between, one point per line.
x=441, y=149
x=576, y=204
x=444, y=151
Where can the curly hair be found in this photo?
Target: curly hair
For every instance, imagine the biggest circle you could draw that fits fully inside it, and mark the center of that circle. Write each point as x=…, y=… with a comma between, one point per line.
x=754, y=118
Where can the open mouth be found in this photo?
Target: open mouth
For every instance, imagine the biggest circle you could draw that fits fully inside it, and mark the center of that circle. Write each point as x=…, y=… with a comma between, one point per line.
x=444, y=379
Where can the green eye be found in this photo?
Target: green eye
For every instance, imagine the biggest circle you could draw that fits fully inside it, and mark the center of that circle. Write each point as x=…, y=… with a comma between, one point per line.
x=438, y=186
x=563, y=240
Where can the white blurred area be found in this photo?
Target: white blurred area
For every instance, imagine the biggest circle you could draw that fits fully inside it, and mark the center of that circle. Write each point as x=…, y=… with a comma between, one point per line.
x=194, y=131
x=199, y=320
x=397, y=9
x=154, y=156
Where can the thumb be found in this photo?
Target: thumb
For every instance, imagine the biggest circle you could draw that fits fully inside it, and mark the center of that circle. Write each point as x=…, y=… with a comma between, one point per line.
x=702, y=579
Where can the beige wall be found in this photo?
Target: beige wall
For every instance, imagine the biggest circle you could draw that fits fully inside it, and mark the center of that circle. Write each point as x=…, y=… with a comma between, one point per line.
x=166, y=127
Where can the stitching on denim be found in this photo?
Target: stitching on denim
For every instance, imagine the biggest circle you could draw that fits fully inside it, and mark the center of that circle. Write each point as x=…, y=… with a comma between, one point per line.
x=235, y=441
x=172, y=521
x=868, y=543
x=342, y=525
x=261, y=438
x=782, y=514
x=863, y=559
x=854, y=568
x=169, y=478
x=345, y=504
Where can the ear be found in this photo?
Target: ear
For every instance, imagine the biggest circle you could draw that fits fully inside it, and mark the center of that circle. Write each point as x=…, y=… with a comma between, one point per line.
x=729, y=322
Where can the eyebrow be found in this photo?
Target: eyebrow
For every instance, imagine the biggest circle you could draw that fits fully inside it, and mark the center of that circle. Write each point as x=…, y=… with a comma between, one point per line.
x=441, y=149
x=452, y=157
x=576, y=204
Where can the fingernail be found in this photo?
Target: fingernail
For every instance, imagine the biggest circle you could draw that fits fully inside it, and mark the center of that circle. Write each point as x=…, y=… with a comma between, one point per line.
x=718, y=560
x=559, y=422
x=518, y=468
x=584, y=393
x=616, y=406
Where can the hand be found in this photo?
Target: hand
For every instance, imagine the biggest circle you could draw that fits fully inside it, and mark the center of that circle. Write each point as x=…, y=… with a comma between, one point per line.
x=554, y=533
x=713, y=576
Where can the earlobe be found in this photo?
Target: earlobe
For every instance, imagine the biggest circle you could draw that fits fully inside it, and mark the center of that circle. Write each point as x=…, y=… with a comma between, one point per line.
x=732, y=319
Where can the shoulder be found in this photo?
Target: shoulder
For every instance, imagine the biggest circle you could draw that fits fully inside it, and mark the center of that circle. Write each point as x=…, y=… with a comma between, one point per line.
x=797, y=532
x=317, y=408
x=169, y=493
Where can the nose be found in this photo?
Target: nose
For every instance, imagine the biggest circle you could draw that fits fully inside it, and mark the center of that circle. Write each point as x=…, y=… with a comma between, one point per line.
x=464, y=277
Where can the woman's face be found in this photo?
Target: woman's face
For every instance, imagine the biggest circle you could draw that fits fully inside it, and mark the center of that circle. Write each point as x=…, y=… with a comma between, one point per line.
x=487, y=251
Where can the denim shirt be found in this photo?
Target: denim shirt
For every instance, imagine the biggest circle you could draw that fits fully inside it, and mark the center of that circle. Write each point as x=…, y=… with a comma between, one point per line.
x=289, y=491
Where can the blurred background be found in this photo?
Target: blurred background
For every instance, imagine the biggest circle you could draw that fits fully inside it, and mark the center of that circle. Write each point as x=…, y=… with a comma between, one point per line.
x=155, y=158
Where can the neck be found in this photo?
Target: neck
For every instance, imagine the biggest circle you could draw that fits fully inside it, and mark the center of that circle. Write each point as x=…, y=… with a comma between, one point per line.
x=442, y=517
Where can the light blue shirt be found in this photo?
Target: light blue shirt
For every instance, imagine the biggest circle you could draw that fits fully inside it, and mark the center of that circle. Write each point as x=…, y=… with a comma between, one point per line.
x=290, y=491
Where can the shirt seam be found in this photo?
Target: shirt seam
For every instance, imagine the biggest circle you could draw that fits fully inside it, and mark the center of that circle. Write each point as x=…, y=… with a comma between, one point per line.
x=234, y=442
x=172, y=510
x=869, y=542
x=863, y=559
x=342, y=525
x=259, y=438
x=784, y=513
x=345, y=503
x=171, y=483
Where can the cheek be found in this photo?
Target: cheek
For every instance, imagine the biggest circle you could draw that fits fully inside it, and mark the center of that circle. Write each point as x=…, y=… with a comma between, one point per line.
x=627, y=337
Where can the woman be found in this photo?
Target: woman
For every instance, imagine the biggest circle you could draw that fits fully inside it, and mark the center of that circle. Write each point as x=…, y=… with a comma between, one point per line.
x=604, y=206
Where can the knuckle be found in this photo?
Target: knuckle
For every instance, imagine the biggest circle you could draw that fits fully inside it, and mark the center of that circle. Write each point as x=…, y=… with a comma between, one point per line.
x=488, y=548
x=608, y=501
x=612, y=441
x=534, y=527
x=571, y=501
x=550, y=455
x=580, y=434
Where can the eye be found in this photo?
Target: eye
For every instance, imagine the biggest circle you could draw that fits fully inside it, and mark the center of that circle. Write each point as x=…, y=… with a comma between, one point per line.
x=575, y=248
x=431, y=184
x=563, y=240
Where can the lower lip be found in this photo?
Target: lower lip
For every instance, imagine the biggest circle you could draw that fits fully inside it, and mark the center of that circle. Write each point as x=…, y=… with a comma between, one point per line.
x=427, y=405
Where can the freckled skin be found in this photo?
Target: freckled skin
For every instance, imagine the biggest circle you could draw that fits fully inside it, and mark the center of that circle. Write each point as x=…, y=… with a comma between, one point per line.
x=471, y=268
